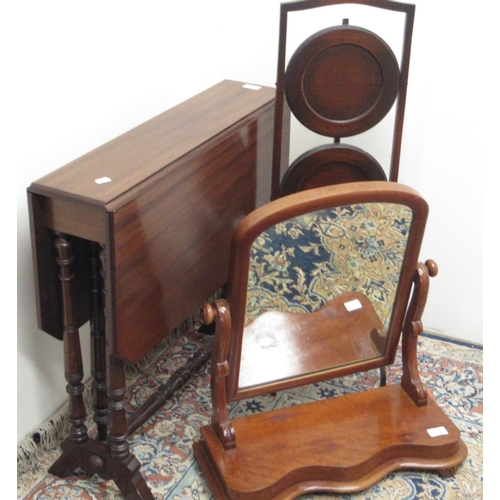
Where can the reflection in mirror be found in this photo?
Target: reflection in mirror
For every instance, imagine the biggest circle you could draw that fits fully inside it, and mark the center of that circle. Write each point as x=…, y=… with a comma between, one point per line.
x=342, y=265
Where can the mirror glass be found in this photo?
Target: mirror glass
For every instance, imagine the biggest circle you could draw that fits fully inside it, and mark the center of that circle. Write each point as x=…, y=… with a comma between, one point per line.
x=334, y=273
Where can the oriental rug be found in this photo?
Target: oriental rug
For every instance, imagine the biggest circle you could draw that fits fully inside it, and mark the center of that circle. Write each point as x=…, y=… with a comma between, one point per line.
x=452, y=370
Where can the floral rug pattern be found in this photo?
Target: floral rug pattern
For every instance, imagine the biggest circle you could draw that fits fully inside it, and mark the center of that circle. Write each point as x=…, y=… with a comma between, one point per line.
x=300, y=264
x=452, y=370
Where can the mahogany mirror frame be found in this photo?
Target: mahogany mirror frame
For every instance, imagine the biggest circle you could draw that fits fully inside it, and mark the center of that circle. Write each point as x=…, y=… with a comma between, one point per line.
x=229, y=344
x=282, y=111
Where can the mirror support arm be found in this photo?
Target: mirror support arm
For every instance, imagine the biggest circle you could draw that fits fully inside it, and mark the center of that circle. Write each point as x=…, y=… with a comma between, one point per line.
x=412, y=328
x=219, y=312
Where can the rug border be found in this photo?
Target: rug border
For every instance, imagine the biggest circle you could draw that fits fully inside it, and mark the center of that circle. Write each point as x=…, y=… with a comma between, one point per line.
x=453, y=340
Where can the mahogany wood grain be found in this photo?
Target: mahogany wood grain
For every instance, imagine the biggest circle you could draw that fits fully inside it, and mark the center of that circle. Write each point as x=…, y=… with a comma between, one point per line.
x=95, y=459
x=309, y=201
x=166, y=391
x=73, y=365
x=161, y=226
x=179, y=185
x=220, y=371
x=412, y=328
x=98, y=345
x=288, y=345
x=330, y=164
x=314, y=70
x=342, y=444
x=147, y=149
x=342, y=81
x=73, y=216
x=175, y=236
x=47, y=287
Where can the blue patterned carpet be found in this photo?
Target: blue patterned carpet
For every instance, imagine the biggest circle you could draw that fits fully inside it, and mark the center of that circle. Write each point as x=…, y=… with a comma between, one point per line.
x=452, y=370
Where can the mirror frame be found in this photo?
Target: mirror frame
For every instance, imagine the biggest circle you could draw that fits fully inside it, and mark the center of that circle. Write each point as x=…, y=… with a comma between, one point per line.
x=302, y=203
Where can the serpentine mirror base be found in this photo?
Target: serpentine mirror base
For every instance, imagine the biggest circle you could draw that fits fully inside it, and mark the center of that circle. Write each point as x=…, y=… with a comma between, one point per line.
x=343, y=444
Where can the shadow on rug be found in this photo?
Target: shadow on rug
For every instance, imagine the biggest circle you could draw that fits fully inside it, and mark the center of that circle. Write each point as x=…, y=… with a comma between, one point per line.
x=451, y=370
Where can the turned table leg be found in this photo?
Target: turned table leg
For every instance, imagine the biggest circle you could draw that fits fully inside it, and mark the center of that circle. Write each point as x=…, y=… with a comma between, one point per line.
x=116, y=389
x=109, y=456
x=73, y=366
x=121, y=464
x=98, y=346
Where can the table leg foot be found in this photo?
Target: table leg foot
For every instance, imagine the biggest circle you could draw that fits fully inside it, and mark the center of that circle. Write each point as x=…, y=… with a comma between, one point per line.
x=94, y=457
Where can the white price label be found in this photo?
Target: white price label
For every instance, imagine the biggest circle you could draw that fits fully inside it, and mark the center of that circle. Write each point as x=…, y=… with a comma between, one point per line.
x=251, y=87
x=102, y=180
x=352, y=305
x=437, y=431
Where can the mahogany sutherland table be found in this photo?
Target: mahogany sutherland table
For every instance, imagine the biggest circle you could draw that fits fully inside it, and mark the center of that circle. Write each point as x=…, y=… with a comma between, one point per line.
x=134, y=236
